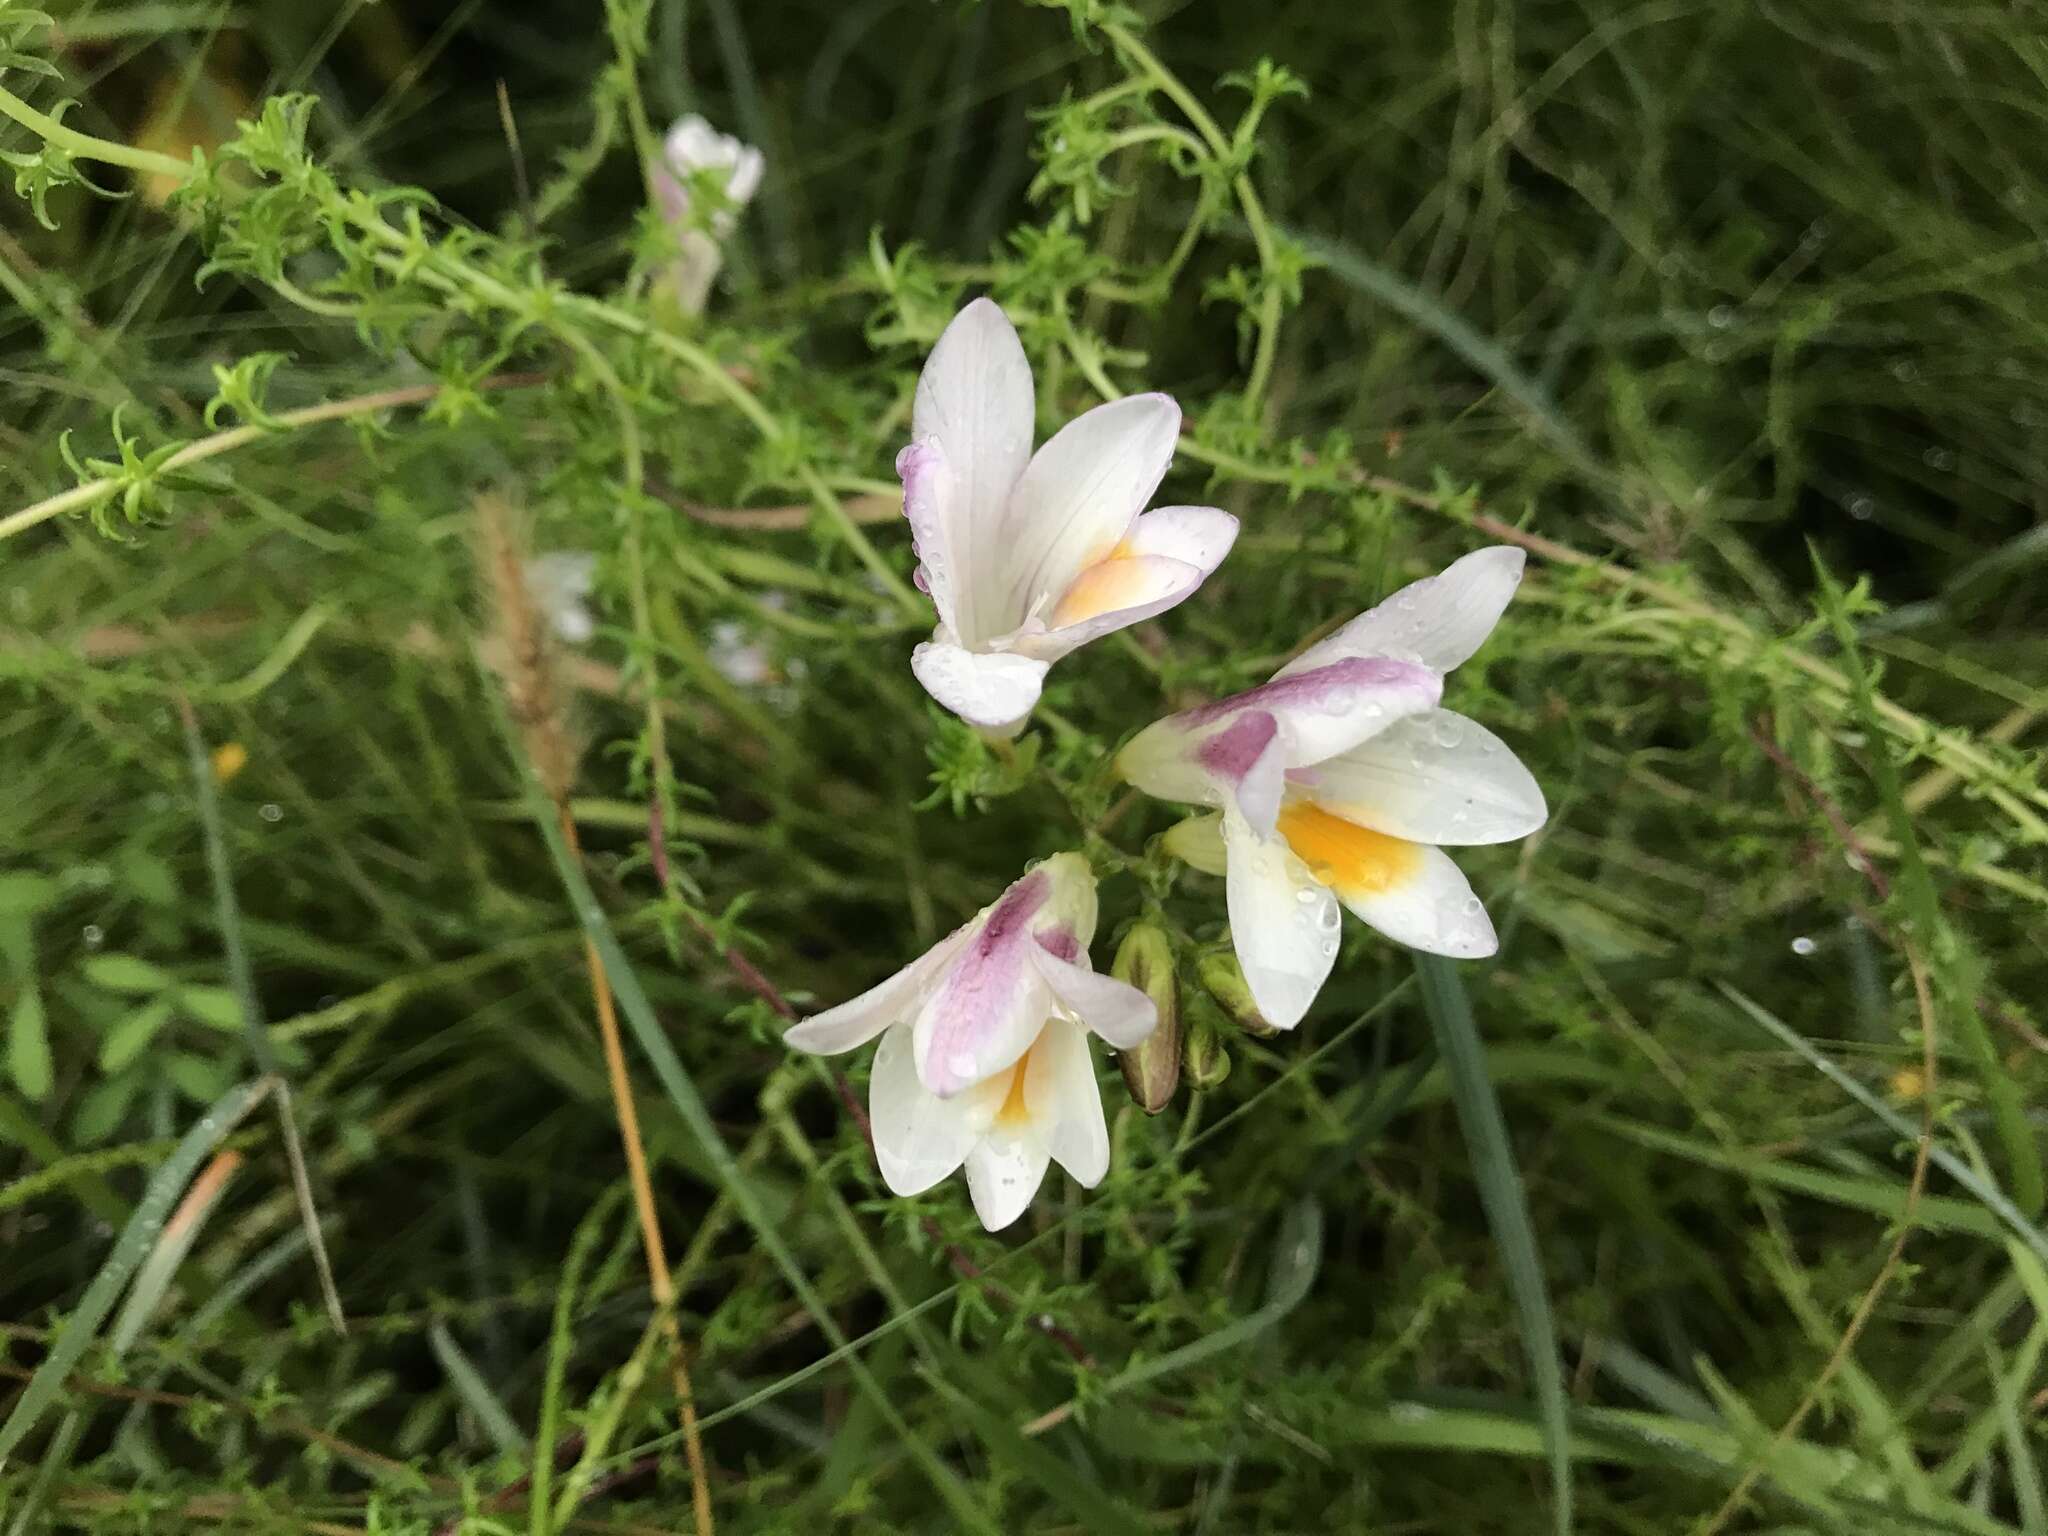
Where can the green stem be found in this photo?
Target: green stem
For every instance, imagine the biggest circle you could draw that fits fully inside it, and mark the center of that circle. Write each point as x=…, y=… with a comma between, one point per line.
x=1266, y=350
x=84, y=146
x=93, y=492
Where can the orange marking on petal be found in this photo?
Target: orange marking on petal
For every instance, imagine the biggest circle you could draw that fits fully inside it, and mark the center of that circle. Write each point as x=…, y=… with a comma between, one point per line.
x=1345, y=856
x=1015, y=1112
x=1103, y=588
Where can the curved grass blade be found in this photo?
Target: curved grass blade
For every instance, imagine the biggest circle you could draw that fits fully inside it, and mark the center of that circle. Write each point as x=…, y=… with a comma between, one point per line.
x=135, y=1243
x=1507, y=1210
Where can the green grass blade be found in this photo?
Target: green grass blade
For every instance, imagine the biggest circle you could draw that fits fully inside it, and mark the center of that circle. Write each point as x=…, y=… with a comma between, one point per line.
x=1507, y=1209
x=138, y=1238
x=242, y=977
x=1297, y=1256
x=732, y=1178
x=1062, y=1481
x=1993, y=1198
x=475, y=1392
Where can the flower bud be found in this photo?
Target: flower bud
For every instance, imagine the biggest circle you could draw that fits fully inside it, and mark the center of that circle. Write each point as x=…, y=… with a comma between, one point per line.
x=1225, y=982
x=1152, y=1071
x=1207, y=1062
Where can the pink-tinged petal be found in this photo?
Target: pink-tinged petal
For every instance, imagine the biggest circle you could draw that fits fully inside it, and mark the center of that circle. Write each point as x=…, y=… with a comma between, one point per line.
x=1234, y=756
x=1118, y=1012
x=1333, y=708
x=929, y=493
x=1283, y=923
x=920, y=1138
x=1435, y=777
x=857, y=1022
x=1070, y=908
x=1080, y=495
x=975, y=398
x=1438, y=621
x=989, y=1007
x=1060, y=1088
x=1431, y=909
x=991, y=690
x=1004, y=1171
x=1197, y=536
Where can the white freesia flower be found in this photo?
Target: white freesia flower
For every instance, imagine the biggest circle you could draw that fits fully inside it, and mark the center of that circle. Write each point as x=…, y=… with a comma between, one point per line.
x=561, y=583
x=1027, y=556
x=984, y=1057
x=690, y=146
x=1342, y=781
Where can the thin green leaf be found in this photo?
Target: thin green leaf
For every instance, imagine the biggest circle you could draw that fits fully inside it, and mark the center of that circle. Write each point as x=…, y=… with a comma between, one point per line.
x=28, y=1045
x=475, y=1392
x=126, y=973
x=1507, y=1210
x=130, y=1037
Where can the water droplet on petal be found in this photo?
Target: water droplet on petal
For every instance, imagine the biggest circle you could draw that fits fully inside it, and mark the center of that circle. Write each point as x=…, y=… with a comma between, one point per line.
x=1803, y=945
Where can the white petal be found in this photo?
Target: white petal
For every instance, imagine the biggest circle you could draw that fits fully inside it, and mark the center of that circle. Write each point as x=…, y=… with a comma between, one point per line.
x=991, y=690
x=1199, y=536
x=919, y=1137
x=896, y=1000
x=1438, y=621
x=991, y=1003
x=1115, y=1010
x=930, y=491
x=1433, y=910
x=1435, y=777
x=975, y=397
x=1004, y=1170
x=1060, y=1088
x=1282, y=922
x=1081, y=493
x=1332, y=708
x=1198, y=843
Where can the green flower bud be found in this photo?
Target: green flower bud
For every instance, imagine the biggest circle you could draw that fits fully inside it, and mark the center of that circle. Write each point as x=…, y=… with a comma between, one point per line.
x=1225, y=982
x=1207, y=1062
x=1152, y=1071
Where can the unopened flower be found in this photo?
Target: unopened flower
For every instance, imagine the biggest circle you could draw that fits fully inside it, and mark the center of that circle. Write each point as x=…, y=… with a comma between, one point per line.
x=1342, y=781
x=984, y=1057
x=1027, y=556
x=1152, y=1071
x=691, y=147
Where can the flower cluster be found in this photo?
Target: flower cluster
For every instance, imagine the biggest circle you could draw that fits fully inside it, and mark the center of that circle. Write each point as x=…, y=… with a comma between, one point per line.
x=1338, y=782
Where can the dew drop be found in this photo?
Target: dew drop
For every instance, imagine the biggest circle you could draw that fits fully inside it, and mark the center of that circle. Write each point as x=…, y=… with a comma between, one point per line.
x=1862, y=509
x=1329, y=949
x=1473, y=906
x=1304, y=896
x=1448, y=730
x=1939, y=458
x=93, y=935
x=1721, y=316
x=271, y=811
x=1803, y=945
